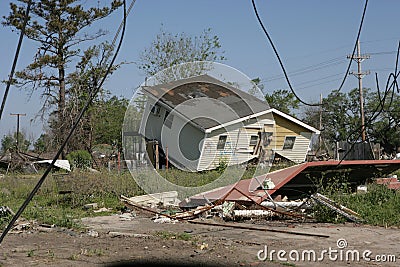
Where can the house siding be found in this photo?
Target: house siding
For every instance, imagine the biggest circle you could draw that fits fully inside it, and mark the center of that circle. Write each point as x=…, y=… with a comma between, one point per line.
x=237, y=148
x=299, y=152
x=184, y=142
x=286, y=128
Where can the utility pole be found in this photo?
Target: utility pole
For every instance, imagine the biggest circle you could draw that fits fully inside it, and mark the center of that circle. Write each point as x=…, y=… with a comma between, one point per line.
x=359, y=75
x=320, y=120
x=18, y=115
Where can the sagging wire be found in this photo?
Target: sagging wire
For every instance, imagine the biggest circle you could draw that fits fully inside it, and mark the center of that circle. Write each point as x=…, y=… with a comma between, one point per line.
x=78, y=119
x=283, y=67
x=14, y=65
x=122, y=23
x=390, y=88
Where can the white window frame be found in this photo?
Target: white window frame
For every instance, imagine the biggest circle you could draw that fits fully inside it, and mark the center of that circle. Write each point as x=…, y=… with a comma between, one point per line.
x=290, y=145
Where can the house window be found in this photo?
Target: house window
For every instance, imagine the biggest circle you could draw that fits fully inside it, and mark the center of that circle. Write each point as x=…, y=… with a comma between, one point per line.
x=156, y=110
x=289, y=142
x=168, y=119
x=253, y=140
x=221, y=142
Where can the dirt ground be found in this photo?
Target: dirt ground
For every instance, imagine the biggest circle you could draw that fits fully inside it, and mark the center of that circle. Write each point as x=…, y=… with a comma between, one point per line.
x=139, y=241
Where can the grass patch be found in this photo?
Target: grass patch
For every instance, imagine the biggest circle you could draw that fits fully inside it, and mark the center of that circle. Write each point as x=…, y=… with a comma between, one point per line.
x=50, y=207
x=379, y=206
x=171, y=235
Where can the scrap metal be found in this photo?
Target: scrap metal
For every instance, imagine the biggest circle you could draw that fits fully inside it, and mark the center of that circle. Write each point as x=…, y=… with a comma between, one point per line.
x=130, y=204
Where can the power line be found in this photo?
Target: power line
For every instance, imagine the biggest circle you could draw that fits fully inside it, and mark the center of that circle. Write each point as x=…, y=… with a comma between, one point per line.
x=322, y=65
x=78, y=119
x=391, y=86
x=281, y=63
x=10, y=78
x=311, y=68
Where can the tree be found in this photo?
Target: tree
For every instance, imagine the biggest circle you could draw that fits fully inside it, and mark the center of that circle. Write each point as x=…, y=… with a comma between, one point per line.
x=43, y=144
x=170, y=49
x=341, y=119
x=337, y=118
x=89, y=72
x=10, y=142
x=108, y=123
x=7, y=143
x=283, y=100
x=385, y=128
x=55, y=26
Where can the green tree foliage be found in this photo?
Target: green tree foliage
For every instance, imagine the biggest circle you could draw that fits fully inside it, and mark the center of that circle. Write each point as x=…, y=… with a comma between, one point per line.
x=10, y=142
x=7, y=142
x=43, y=144
x=337, y=118
x=283, y=100
x=385, y=128
x=109, y=120
x=90, y=70
x=56, y=27
x=169, y=49
x=80, y=159
x=341, y=119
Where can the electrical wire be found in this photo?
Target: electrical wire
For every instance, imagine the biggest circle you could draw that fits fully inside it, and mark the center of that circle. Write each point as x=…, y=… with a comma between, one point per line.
x=21, y=37
x=281, y=63
x=78, y=119
x=311, y=68
x=323, y=65
x=390, y=88
x=122, y=23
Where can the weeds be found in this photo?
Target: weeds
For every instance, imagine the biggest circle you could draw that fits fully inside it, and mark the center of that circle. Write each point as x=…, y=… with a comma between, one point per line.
x=50, y=207
x=171, y=235
x=93, y=252
x=31, y=253
x=74, y=257
x=334, y=188
x=379, y=206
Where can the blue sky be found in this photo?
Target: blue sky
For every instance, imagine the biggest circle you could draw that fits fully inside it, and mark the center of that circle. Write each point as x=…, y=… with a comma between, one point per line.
x=313, y=38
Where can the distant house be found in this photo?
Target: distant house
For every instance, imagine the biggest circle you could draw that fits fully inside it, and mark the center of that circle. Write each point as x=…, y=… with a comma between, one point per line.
x=203, y=122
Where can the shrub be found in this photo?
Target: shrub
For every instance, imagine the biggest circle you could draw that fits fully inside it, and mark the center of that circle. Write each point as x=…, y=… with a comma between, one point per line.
x=222, y=165
x=80, y=159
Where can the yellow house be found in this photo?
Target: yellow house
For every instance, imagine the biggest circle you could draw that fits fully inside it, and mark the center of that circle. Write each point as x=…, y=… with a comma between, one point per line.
x=292, y=137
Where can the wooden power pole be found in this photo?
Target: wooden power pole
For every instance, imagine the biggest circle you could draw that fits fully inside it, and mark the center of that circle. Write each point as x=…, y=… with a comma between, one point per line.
x=18, y=115
x=359, y=75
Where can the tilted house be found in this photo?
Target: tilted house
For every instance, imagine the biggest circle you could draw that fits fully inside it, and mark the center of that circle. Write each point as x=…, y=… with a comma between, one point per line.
x=292, y=137
x=201, y=122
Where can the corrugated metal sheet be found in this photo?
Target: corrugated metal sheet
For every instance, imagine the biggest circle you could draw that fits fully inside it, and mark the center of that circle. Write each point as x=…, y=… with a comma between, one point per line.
x=296, y=177
x=60, y=163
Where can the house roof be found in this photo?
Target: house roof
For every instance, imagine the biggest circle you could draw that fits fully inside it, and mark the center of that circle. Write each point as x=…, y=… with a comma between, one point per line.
x=206, y=101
